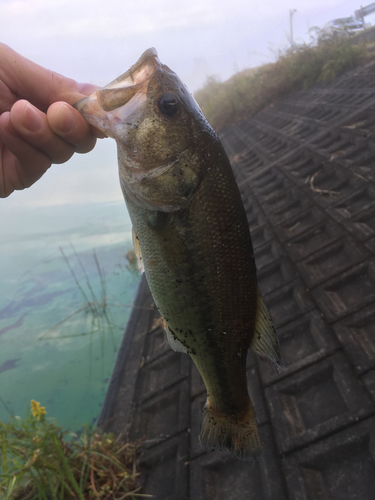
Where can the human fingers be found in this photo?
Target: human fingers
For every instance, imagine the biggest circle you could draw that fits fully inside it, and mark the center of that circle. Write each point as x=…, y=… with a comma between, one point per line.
x=20, y=163
x=22, y=78
x=32, y=125
x=9, y=178
x=26, y=79
x=70, y=125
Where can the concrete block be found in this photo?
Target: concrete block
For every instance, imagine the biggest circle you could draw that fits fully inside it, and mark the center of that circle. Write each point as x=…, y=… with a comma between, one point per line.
x=155, y=344
x=217, y=475
x=288, y=303
x=341, y=467
x=281, y=207
x=316, y=402
x=356, y=202
x=331, y=260
x=297, y=226
x=275, y=274
x=345, y=293
x=369, y=381
x=302, y=343
x=268, y=253
x=324, y=233
x=261, y=235
x=164, y=371
x=356, y=333
x=362, y=225
x=166, y=469
x=163, y=415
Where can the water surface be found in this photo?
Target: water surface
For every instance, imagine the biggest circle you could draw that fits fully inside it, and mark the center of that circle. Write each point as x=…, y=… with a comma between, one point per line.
x=53, y=348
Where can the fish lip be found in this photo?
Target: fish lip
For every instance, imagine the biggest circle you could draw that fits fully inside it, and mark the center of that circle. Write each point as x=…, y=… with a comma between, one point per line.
x=134, y=80
x=148, y=60
x=123, y=88
x=119, y=92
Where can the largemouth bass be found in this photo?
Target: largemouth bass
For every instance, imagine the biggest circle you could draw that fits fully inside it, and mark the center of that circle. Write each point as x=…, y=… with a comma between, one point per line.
x=192, y=239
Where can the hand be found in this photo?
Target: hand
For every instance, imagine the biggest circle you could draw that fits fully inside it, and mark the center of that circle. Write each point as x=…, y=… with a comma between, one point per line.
x=38, y=126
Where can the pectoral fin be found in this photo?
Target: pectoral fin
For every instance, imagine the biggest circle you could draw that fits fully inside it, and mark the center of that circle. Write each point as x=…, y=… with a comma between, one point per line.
x=137, y=251
x=264, y=341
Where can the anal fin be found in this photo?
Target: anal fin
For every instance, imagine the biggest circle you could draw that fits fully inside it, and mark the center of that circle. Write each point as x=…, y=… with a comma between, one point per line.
x=264, y=341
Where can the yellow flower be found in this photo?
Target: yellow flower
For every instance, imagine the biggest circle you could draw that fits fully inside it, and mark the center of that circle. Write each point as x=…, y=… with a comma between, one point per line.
x=37, y=410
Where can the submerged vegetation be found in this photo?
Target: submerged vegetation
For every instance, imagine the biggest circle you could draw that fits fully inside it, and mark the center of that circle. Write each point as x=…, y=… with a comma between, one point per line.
x=95, y=305
x=299, y=67
x=40, y=461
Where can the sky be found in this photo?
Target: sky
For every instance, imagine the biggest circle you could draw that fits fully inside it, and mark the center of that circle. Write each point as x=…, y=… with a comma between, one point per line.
x=95, y=41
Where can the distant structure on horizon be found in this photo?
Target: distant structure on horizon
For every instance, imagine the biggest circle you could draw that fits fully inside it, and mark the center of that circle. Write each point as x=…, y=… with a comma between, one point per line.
x=364, y=11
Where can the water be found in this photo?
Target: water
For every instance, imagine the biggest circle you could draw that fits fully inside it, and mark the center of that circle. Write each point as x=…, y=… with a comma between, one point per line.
x=52, y=348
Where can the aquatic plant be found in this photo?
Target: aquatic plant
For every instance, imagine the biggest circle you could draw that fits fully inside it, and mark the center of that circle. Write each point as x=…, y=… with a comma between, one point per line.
x=97, y=308
x=247, y=92
x=94, y=315
x=40, y=461
x=95, y=303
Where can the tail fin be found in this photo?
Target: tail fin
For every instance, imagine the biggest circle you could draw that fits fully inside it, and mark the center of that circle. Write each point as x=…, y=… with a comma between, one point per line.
x=238, y=435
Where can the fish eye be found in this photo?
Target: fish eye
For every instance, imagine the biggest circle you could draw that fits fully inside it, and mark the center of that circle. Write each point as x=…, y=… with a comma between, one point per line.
x=168, y=104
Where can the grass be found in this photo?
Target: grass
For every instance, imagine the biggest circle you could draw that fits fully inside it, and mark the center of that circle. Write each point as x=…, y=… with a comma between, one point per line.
x=40, y=461
x=299, y=67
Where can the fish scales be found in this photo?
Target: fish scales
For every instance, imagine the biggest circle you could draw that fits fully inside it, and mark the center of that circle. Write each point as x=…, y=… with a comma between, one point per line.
x=203, y=288
x=192, y=236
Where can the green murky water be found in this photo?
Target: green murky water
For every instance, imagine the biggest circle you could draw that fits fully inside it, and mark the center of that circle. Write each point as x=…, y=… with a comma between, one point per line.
x=54, y=346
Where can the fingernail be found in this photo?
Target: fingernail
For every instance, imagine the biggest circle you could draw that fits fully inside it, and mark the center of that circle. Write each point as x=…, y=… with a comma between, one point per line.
x=32, y=120
x=8, y=123
x=86, y=88
x=66, y=120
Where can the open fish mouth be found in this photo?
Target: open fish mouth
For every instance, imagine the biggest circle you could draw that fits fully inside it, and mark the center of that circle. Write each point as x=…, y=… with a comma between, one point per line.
x=104, y=108
x=121, y=90
x=139, y=72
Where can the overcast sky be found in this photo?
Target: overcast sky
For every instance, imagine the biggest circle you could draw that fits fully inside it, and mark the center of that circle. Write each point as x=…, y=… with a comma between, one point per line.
x=97, y=40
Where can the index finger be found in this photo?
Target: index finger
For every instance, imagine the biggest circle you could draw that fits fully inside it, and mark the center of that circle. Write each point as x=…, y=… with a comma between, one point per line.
x=36, y=84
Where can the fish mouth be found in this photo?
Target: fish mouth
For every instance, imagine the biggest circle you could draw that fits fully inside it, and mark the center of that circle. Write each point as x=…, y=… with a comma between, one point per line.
x=100, y=108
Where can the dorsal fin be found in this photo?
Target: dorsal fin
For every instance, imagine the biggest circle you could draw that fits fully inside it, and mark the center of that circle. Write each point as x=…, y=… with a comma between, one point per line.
x=264, y=341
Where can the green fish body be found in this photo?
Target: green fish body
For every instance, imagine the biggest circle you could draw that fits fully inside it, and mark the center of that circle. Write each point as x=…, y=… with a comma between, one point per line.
x=192, y=239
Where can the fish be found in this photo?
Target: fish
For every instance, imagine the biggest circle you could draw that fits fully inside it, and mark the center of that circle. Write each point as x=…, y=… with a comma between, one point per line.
x=191, y=239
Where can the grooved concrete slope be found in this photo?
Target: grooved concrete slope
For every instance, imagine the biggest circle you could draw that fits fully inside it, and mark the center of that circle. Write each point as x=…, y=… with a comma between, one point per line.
x=306, y=171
